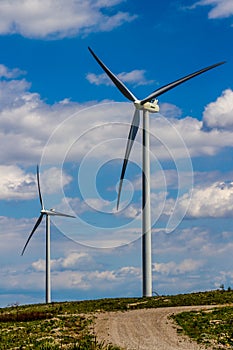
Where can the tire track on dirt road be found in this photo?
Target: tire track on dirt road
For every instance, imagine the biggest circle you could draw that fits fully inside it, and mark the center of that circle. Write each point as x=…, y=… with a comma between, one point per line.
x=145, y=329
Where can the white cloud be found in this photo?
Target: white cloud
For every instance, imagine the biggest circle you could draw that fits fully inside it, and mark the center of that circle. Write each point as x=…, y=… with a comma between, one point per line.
x=174, y=268
x=16, y=184
x=26, y=134
x=102, y=206
x=24, y=126
x=91, y=204
x=219, y=114
x=169, y=110
x=127, y=271
x=225, y=278
x=79, y=270
x=47, y=179
x=15, y=93
x=135, y=77
x=214, y=201
x=72, y=261
x=39, y=265
x=131, y=211
x=97, y=280
x=58, y=19
x=91, y=136
x=198, y=259
x=192, y=137
x=97, y=204
x=8, y=73
x=220, y=8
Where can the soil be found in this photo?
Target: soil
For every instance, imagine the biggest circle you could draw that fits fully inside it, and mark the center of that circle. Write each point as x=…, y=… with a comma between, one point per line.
x=146, y=329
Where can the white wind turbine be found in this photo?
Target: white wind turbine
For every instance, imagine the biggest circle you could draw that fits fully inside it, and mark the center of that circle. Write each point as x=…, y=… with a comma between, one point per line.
x=47, y=213
x=148, y=104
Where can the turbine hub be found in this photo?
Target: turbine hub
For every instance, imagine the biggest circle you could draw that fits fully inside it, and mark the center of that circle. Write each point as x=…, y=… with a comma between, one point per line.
x=152, y=106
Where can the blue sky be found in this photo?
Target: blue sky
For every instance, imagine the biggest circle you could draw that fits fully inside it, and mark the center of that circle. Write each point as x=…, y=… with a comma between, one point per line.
x=59, y=110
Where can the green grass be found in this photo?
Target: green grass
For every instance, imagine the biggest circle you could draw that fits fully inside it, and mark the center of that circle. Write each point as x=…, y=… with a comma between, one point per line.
x=49, y=327
x=211, y=327
x=68, y=325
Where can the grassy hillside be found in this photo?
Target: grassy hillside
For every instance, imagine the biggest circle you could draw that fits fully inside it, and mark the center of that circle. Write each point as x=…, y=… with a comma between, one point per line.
x=68, y=325
x=213, y=328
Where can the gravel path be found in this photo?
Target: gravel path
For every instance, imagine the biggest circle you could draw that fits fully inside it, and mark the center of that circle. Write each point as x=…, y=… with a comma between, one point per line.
x=146, y=329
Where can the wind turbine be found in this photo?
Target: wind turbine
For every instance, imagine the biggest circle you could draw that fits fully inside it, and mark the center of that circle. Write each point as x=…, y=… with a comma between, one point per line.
x=148, y=104
x=47, y=213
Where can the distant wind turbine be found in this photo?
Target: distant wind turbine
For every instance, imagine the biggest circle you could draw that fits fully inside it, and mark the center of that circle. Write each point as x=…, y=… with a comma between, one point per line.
x=148, y=104
x=47, y=213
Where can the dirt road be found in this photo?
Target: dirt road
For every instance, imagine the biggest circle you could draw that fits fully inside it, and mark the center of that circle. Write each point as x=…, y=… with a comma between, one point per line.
x=146, y=329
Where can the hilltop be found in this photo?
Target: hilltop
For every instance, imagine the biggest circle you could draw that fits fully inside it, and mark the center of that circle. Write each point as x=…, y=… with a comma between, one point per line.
x=70, y=325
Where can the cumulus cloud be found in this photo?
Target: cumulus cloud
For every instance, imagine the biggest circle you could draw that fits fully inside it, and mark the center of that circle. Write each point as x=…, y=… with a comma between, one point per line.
x=135, y=77
x=15, y=93
x=219, y=8
x=192, y=252
x=24, y=126
x=88, y=134
x=80, y=270
x=174, y=268
x=98, y=280
x=26, y=134
x=16, y=184
x=90, y=205
x=131, y=211
x=129, y=271
x=169, y=110
x=214, y=201
x=219, y=114
x=8, y=73
x=58, y=19
x=72, y=261
x=47, y=179
x=187, y=135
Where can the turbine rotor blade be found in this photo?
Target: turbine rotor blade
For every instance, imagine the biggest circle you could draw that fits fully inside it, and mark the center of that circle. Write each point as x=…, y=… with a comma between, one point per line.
x=34, y=229
x=175, y=83
x=38, y=183
x=132, y=134
x=119, y=84
x=57, y=213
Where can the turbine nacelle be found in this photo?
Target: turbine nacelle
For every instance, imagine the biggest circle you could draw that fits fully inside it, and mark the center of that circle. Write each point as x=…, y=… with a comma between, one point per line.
x=151, y=107
x=48, y=212
x=43, y=212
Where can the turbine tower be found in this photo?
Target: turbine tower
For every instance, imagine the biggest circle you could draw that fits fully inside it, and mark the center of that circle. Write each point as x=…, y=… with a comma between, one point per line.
x=148, y=104
x=47, y=213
